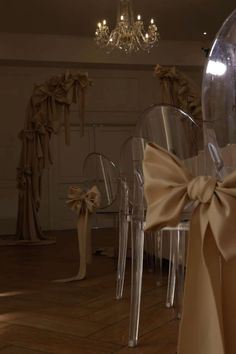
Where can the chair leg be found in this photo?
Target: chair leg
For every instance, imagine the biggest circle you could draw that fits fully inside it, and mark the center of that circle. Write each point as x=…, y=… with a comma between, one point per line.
x=181, y=249
x=123, y=241
x=158, y=257
x=172, y=271
x=176, y=276
x=137, y=241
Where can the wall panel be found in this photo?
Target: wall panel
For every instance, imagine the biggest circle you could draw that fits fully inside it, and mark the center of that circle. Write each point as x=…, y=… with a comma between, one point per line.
x=114, y=102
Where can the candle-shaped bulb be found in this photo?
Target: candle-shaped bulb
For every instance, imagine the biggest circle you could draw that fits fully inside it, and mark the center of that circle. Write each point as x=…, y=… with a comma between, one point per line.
x=104, y=22
x=138, y=17
x=99, y=25
x=152, y=21
x=122, y=17
x=146, y=35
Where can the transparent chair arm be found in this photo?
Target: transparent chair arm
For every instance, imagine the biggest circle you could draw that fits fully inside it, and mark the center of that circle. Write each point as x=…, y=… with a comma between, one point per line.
x=137, y=242
x=215, y=153
x=124, y=218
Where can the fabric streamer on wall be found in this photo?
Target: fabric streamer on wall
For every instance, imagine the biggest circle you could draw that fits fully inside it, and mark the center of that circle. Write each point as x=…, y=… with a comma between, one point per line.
x=180, y=91
x=43, y=118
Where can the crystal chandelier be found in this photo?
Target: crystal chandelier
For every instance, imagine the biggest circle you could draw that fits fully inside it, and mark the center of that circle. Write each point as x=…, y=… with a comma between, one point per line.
x=128, y=35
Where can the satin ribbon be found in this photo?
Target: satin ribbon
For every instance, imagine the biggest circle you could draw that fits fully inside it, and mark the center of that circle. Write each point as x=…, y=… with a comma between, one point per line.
x=43, y=117
x=179, y=90
x=84, y=204
x=209, y=313
x=60, y=91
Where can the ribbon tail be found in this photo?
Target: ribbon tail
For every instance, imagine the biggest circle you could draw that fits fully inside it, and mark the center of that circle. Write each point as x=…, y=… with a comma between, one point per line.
x=201, y=324
x=82, y=240
x=67, y=124
x=81, y=104
x=89, y=241
x=50, y=109
x=82, y=229
x=229, y=305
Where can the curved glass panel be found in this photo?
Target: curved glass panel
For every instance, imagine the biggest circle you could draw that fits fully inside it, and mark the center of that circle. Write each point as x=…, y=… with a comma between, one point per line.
x=219, y=83
x=219, y=93
x=100, y=171
x=173, y=130
x=126, y=165
x=170, y=128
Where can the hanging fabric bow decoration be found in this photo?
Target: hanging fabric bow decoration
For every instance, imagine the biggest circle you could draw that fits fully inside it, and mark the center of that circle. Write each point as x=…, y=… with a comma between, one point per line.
x=47, y=110
x=84, y=203
x=209, y=311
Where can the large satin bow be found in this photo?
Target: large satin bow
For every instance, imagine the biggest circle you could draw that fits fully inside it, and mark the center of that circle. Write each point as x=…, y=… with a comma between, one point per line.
x=209, y=313
x=84, y=203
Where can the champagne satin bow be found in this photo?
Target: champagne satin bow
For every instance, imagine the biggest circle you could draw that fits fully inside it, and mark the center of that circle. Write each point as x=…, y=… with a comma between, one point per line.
x=84, y=204
x=82, y=201
x=209, y=313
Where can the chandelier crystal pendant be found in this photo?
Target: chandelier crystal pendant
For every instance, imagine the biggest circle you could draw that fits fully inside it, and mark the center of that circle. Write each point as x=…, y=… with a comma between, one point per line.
x=128, y=35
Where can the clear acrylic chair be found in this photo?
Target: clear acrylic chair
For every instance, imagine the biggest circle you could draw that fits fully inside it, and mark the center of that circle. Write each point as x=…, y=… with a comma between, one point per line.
x=177, y=132
x=125, y=210
x=219, y=117
x=99, y=170
x=219, y=101
x=125, y=213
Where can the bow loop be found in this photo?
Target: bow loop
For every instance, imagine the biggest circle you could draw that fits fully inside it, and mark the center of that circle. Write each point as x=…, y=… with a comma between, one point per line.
x=210, y=288
x=81, y=201
x=22, y=175
x=201, y=188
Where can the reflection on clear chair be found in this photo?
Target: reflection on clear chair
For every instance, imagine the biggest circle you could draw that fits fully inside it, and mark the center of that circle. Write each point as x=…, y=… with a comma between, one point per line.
x=125, y=210
x=99, y=170
x=175, y=131
x=125, y=213
x=218, y=100
x=219, y=118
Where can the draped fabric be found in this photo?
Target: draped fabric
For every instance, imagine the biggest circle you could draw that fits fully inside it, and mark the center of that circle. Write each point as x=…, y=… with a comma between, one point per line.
x=209, y=309
x=47, y=104
x=178, y=90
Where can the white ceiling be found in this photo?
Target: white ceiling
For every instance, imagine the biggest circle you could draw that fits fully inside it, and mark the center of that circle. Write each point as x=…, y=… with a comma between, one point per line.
x=177, y=19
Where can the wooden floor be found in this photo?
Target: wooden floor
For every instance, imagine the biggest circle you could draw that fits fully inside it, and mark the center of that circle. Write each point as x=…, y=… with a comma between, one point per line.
x=39, y=316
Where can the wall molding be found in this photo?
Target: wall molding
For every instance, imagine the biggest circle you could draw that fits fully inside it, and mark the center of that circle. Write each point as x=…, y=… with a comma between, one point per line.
x=35, y=48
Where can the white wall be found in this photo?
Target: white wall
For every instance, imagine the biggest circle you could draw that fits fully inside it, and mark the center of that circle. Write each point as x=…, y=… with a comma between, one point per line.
x=72, y=49
x=113, y=104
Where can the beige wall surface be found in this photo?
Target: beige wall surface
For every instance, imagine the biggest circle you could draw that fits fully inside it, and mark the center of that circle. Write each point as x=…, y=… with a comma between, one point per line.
x=114, y=101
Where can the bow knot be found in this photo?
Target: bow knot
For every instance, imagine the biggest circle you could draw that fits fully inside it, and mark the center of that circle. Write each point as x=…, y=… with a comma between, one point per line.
x=80, y=200
x=201, y=188
x=210, y=288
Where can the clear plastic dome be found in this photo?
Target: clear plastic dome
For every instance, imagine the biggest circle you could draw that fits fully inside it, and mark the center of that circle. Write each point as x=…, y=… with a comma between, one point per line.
x=219, y=84
x=219, y=99
x=98, y=170
x=171, y=128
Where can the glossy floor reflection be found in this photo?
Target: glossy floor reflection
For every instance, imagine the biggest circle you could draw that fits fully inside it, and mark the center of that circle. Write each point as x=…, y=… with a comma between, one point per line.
x=39, y=316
